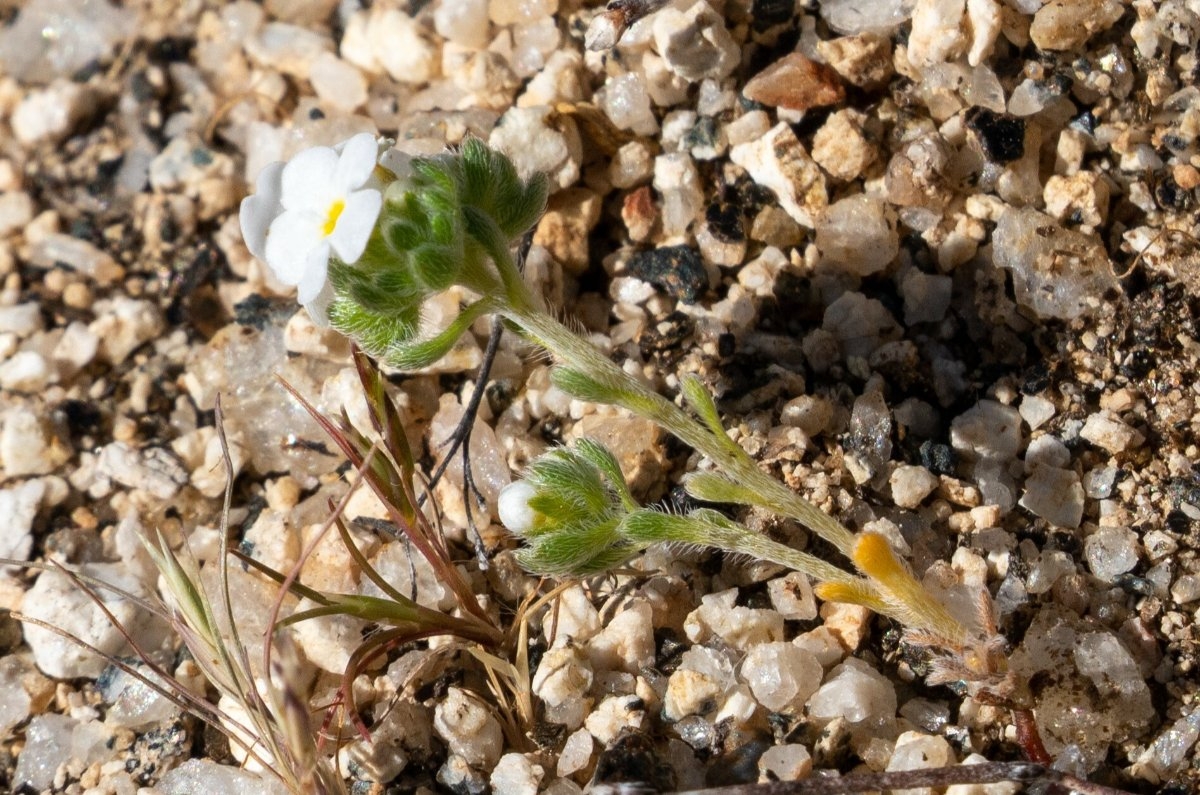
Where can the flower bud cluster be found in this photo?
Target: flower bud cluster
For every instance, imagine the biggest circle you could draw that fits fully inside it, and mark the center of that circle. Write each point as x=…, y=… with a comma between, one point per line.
x=368, y=240
x=569, y=509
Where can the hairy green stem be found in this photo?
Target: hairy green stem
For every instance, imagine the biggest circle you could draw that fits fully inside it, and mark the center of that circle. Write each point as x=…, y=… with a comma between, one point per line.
x=571, y=350
x=710, y=529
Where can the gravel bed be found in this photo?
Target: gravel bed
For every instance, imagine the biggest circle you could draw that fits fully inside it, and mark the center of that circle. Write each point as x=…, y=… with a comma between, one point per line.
x=936, y=259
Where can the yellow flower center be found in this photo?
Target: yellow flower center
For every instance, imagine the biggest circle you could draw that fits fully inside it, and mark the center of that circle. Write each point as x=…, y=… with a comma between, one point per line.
x=331, y=219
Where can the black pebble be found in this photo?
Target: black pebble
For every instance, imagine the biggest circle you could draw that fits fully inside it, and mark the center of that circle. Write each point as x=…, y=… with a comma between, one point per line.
x=724, y=221
x=937, y=458
x=1002, y=137
x=253, y=310
x=676, y=269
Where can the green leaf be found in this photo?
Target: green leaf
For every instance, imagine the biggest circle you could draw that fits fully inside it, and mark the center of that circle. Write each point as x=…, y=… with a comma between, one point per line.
x=600, y=457
x=373, y=332
x=518, y=212
x=415, y=354
x=480, y=167
x=579, y=384
x=698, y=397
x=580, y=549
x=711, y=487
x=437, y=267
x=646, y=527
x=572, y=478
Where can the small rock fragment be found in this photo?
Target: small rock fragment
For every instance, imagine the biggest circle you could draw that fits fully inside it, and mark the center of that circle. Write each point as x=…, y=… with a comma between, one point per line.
x=536, y=146
x=1054, y=494
x=782, y=676
x=1111, y=551
x=516, y=774
x=153, y=470
x=937, y=32
x=24, y=371
x=792, y=596
x=859, y=324
x=698, y=686
x=779, y=161
x=24, y=447
x=796, y=83
x=19, y=505
x=911, y=485
x=1080, y=198
x=58, y=601
x=926, y=296
x=20, y=319
x=791, y=762
x=1066, y=24
x=858, y=234
x=840, y=146
x=695, y=43
x=16, y=211
x=988, y=430
x=1107, y=430
x=50, y=114
x=722, y=236
x=123, y=325
x=569, y=218
x=388, y=40
x=677, y=269
x=1001, y=137
x=740, y=627
x=338, y=83
x=856, y=692
x=864, y=60
x=469, y=728
x=859, y=16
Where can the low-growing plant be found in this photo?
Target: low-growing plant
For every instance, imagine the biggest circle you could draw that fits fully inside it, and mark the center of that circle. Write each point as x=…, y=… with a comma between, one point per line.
x=453, y=220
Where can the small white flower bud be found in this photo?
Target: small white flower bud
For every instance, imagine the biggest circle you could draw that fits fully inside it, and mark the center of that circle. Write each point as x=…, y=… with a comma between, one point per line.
x=513, y=506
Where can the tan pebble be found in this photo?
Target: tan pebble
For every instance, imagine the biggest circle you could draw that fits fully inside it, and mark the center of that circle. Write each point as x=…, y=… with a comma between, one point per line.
x=1186, y=177
x=639, y=212
x=796, y=83
x=958, y=493
x=864, y=60
x=124, y=429
x=283, y=494
x=563, y=230
x=1065, y=24
x=776, y=228
x=847, y=623
x=961, y=523
x=841, y=148
x=55, y=282
x=84, y=518
x=986, y=515
x=77, y=295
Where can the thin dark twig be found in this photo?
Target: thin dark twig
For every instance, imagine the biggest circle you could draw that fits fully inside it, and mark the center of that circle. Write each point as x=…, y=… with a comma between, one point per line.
x=986, y=773
x=469, y=487
x=461, y=438
x=462, y=433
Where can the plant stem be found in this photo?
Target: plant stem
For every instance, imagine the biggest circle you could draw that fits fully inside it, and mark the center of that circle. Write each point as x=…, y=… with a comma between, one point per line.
x=571, y=350
x=710, y=529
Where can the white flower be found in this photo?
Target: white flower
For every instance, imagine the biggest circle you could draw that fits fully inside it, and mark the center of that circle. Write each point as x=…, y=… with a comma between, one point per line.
x=513, y=507
x=316, y=204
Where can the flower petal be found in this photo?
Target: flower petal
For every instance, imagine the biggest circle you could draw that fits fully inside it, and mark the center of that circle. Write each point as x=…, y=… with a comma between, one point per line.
x=307, y=181
x=355, y=224
x=318, y=308
x=397, y=162
x=315, y=271
x=356, y=163
x=259, y=209
x=292, y=238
